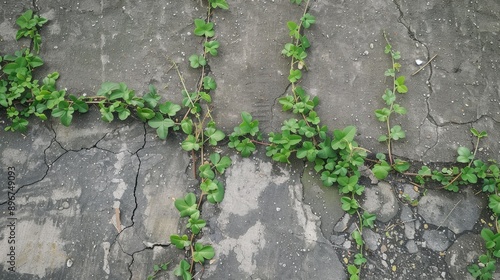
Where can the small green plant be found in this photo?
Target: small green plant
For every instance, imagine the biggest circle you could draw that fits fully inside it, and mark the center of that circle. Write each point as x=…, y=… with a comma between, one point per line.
x=452, y=178
x=487, y=262
x=29, y=24
x=157, y=268
x=394, y=133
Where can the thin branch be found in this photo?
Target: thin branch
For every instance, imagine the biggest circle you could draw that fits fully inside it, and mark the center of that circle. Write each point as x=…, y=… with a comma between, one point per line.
x=423, y=66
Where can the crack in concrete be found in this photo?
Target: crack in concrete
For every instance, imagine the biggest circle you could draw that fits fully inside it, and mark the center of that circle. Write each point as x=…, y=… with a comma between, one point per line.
x=48, y=165
x=413, y=37
x=115, y=240
x=35, y=6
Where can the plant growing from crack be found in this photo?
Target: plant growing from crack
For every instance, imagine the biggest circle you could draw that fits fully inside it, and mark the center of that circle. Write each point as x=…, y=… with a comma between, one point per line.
x=201, y=130
x=22, y=97
x=336, y=156
x=394, y=133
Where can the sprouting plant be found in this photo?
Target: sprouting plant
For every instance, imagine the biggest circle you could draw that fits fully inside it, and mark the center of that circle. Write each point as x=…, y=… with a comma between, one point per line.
x=157, y=268
x=28, y=27
x=398, y=86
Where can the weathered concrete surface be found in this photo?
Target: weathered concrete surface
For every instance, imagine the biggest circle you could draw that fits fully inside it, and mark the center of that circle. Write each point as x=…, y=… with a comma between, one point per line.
x=276, y=221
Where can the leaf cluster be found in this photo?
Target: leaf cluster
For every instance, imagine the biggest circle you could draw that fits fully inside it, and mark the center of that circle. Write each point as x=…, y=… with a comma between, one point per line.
x=486, y=266
x=29, y=24
x=243, y=137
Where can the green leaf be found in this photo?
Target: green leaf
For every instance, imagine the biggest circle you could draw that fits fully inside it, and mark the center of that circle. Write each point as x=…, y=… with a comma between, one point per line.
x=145, y=114
x=494, y=203
x=216, y=195
x=206, y=171
x=353, y=270
x=388, y=48
x=396, y=55
x=399, y=109
x=342, y=138
x=308, y=151
x=151, y=98
x=287, y=102
x=295, y=75
x=24, y=20
x=183, y=270
x=308, y=20
x=313, y=118
x=248, y=126
x=79, y=105
x=106, y=113
x=203, y=252
x=400, y=85
x=294, y=29
x=487, y=235
x=123, y=112
x=221, y=164
x=205, y=96
x=208, y=185
x=107, y=88
x=187, y=126
x=63, y=111
x=196, y=225
x=190, y=143
x=390, y=72
x=169, y=108
x=211, y=47
x=382, y=138
x=305, y=42
x=478, y=134
x=180, y=241
x=382, y=114
x=18, y=124
x=296, y=2
x=197, y=60
x=464, y=155
x=350, y=205
x=219, y=4
x=214, y=135
x=359, y=259
x=381, y=170
x=203, y=29
x=187, y=205
x=245, y=147
x=328, y=178
x=400, y=165
x=356, y=235
x=161, y=125
x=389, y=97
x=397, y=133
x=368, y=219
x=209, y=83
x=469, y=175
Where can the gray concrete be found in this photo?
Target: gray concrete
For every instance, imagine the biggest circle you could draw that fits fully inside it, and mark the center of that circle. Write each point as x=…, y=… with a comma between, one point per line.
x=276, y=221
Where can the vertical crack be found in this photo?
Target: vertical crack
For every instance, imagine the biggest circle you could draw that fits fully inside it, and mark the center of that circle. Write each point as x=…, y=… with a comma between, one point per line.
x=412, y=35
x=137, y=174
x=35, y=6
x=136, y=205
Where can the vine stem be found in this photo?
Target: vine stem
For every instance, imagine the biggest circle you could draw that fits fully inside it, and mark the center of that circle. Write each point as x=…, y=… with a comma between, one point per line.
x=389, y=147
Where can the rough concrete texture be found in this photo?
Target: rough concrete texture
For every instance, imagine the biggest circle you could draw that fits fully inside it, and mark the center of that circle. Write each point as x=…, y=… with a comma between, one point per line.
x=276, y=221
